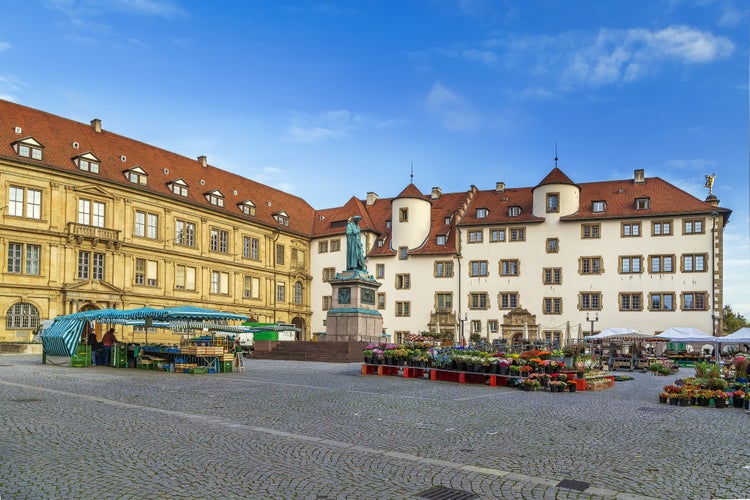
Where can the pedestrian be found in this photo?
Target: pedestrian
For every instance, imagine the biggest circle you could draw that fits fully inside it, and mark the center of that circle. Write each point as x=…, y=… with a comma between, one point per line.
x=108, y=341
x=93, y=344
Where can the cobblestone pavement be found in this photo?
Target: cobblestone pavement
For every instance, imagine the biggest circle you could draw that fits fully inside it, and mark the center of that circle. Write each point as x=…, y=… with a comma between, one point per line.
x=287, y=429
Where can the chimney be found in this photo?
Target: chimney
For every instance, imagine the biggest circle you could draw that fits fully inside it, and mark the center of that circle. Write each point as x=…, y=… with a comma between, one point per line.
x=371, y=198
x=96, y=124
x=436, y=192
x=203, y=160
x=499, y=187
x=639, y=176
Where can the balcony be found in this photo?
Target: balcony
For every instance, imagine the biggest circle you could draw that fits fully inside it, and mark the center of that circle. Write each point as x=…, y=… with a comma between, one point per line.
x=79, y=232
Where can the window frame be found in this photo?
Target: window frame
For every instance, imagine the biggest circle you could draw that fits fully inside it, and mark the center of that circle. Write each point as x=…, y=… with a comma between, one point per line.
x=658, y=226
x=590, y=261
x=479, y=301
x=550, y=273
x=628, y=227
x=591, y=231
x=694, y=298
x=482, y=265
x=688, y=225
x=662, y=259
x=661, y=296
x=552, y=203
x=630, y=296
x=630, y=259
x=693, y=258
x=512, y=266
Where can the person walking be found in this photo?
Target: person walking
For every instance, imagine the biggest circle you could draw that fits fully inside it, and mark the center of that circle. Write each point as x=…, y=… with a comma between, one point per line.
x=108, y=341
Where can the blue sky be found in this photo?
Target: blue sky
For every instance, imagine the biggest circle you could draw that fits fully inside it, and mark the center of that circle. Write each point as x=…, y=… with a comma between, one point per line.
x=332, y=99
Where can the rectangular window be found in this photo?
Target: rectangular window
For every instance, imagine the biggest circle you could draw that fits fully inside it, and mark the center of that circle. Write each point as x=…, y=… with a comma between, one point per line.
x=630, y=264
x=631, y=302
x=220, y=282
x=492, y=325
x=497, y=235
x=518, y=234
x=403, y=215
x=642, y=203
x=478, y=301
x=323, y=246
x=139, y=227
x=694, y=301
x=403, y=281
x=590, y=265
x=91, y=213
x=481, y=213
x=478, y=268
x=380, y=271
x=152, y=230
x=328, y=274
x=90, y=265
x=403, y=309
x=632, y=229
x=381, y=300
x=553, y=245
x=509, y=267
x=327, y=302
x=552, y=275
x=443, y=301
x=184, y=277
x=476, y=326
x=279, y=255
x=591, y=231
x=280, y=291
x=598, y=206
x=476, y=236
x=335, y=245
x=15, y=257
x=591, y=301
x=443, y=269
x=552, y=305
x=146, y=225
x=184, y=233
x=219, y=240
x=440, y=239
x=694, y=263
x=252, y=287
x=33, y=253
x=508, y=300
x=403, y=253
x=661, y=264
x=15, y=201
x=692, y=226
x=33, y=205
x=146, y=272
x=662, y=302
x=662, y=228
x=553, y=202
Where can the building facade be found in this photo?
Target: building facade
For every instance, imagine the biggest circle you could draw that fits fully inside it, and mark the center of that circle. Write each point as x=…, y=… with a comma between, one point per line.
x=91, y=219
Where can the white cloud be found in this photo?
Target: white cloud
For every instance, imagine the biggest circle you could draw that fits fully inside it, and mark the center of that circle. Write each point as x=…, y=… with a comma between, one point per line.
x=324, y=126
x=4, y=46
x=451, y=109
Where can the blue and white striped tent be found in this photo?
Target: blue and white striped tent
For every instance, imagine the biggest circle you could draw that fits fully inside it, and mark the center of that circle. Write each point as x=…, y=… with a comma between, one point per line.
x=62, y=337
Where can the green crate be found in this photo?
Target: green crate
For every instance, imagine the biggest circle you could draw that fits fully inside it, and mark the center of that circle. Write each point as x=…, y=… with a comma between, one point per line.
x=226, y=366
x=83, y=349
x=199, y=370
x=80, y=360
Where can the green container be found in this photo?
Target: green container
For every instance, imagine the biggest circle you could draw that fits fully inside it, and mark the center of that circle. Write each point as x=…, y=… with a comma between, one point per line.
x=80, y=360
x=83, y=349
x=226, y=366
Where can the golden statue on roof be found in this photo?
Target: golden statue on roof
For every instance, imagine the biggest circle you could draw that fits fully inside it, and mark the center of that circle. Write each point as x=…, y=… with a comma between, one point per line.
x=710, y=183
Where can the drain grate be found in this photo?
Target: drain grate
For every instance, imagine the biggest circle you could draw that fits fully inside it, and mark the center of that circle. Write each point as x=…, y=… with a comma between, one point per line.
x=572, y=484
x=656, y=410
x=443, y=493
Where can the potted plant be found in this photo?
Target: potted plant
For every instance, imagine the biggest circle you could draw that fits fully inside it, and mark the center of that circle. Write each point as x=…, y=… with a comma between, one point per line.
x=572, y=386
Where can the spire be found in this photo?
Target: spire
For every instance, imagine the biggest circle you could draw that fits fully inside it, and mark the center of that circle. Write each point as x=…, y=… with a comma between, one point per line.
x=411, y=176
x=555, y=154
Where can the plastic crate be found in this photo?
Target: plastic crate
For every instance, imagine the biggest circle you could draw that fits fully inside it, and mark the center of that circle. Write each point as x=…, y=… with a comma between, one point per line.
x=226, y=366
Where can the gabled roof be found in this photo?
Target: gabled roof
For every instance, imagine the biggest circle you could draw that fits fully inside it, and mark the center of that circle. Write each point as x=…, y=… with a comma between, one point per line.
x=556, y=176
x=162, y=167
x=332, y=221
x=411, y=191
x=498, y=204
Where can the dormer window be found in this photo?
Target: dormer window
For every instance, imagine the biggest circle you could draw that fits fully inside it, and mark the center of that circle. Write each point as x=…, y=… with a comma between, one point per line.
x=380, y=243
x=642, y=204
x=28, y=148
x=514, y=211
x=87, y=162
x=178, y=187
x=598, y=206
x=447, y=220
x=215, y=198
x=553, y=202
x=388, y=224
x=441, y=239
x=247, y=207
x=136, y=175
x=282, y=218
x=481, y=213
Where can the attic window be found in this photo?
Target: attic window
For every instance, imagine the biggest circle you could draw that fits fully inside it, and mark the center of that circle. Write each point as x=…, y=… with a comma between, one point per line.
x=642, y=204
x=441, y=239
x=87, y=162
x=247, y=207
x=178, y=187
x=447, y=220
x=338, y=223
x=380, y=243
x=388, y=224
x=215, y=198
x=136, y=175
x=514, y=211
x=481, y=213
x=28, y=148
x=598, y=206
x=282, y=218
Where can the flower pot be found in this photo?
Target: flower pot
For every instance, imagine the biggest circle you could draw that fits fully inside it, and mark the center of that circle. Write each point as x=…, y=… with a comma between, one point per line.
x=720, y=402
x=579, y=374
x=502, y=369
x=572, y=387
x=684, y=402
x=737, y=402
x=673, y=401
x=663, y=399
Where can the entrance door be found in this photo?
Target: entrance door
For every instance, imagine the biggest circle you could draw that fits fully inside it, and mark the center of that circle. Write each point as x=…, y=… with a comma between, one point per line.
x=299, y=323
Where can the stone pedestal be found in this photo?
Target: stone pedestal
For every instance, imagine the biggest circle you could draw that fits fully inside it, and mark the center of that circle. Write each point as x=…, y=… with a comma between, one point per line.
x=354, y=316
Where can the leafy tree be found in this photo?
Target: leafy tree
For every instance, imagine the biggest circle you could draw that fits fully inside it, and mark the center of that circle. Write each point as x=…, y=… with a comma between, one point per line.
x=733, y=321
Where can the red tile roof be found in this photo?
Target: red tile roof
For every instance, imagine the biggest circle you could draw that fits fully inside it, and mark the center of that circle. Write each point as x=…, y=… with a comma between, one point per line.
x=57, y=135
x=498, y=204
x=556, y=176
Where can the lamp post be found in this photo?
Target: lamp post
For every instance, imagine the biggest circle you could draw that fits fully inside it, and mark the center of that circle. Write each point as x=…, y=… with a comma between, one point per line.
x=592, y=321
x=462, y=321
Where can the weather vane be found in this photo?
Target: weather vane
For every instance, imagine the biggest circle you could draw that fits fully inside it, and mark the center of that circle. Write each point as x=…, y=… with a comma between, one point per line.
x=710, y=183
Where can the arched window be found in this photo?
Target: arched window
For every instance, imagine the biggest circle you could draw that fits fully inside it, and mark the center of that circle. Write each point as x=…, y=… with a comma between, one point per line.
x=298, y=293
x=22, y=315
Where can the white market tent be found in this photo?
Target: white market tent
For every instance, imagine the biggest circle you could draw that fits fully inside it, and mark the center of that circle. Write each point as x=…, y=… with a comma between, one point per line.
x=686, y=334
x=616, y=334
x=741, y=336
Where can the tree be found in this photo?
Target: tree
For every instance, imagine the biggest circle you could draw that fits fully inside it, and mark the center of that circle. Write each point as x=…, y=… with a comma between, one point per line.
x=733, y=322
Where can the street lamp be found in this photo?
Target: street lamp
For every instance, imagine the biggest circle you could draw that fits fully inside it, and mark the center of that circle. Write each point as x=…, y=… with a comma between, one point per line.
x=462, y=321
x=592, y=321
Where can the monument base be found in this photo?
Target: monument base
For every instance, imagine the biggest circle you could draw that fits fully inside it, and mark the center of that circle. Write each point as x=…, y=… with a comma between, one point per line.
x=353, y=325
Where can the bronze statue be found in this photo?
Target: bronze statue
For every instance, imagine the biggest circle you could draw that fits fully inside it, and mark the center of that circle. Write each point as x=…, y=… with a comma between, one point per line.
x=710, y=183
x=355, y=256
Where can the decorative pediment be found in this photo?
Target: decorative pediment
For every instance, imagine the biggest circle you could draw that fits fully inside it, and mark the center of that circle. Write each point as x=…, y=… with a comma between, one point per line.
x=92, y=286
x=29, y=141
x=137, y=169
x=88, y=155
x=93, y=190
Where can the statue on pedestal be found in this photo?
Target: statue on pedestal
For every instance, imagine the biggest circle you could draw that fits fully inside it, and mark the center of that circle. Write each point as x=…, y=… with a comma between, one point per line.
x=710, y=183
x=355, y=255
